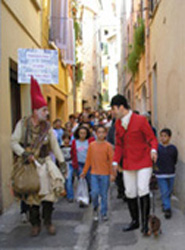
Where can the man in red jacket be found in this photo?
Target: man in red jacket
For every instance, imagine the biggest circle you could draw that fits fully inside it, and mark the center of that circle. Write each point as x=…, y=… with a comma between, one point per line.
x=137, y=145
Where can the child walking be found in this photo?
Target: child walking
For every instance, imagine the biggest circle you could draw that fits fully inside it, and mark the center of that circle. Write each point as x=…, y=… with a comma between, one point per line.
x=99, y=158
x=66, y=150
x=79, y=153
x=167, y=159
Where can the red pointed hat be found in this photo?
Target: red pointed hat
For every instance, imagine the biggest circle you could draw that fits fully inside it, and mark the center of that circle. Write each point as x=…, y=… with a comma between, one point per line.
x=37, y=99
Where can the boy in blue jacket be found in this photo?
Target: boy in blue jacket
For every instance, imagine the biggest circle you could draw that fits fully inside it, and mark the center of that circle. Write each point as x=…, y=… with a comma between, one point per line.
x=167, y=159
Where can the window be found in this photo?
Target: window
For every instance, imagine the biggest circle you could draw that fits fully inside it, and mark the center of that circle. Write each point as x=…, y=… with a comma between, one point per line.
x=59, y=23
x=69, y=53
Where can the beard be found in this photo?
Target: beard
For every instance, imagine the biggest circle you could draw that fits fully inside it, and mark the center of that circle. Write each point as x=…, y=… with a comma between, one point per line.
x=41, y=117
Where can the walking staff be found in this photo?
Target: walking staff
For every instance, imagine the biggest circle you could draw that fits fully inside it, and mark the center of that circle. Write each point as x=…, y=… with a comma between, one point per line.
x=137, y=144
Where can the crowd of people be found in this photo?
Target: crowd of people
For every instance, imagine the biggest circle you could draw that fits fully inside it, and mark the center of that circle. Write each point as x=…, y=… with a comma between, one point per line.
x=119, y=145
x=75, y=140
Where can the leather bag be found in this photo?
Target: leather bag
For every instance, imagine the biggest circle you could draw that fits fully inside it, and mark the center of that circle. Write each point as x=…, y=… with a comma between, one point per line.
x=25, y=179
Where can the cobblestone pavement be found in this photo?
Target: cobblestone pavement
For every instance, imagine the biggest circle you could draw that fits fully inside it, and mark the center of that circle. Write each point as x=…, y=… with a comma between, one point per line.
x=76, y=230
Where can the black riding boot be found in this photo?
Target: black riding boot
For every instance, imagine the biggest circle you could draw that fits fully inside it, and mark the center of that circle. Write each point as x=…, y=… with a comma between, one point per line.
x=47, y=209
x=145, y=211
x=120, y=186
x=35, y=220
x=134, y=213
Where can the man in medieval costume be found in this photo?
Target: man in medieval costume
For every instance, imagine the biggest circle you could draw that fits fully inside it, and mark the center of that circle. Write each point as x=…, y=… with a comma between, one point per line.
x=137, y=145
x=30, y=132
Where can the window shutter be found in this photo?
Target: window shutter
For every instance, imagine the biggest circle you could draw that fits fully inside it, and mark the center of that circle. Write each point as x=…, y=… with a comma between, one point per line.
x=59, y=22
x=69, y=53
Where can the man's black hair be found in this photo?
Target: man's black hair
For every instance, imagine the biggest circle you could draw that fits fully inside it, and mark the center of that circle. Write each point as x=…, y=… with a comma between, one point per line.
x=136, y=112
x=119, y=100
x=166, y=131
x=76, y=134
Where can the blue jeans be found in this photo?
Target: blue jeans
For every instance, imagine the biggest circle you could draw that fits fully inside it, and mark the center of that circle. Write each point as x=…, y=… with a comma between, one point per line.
x=166, y=188
x=100, y=187
x=88, y=175
x=69, y=182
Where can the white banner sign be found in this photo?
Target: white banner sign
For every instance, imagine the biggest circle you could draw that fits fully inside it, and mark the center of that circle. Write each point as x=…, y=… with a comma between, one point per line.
x=39, y=63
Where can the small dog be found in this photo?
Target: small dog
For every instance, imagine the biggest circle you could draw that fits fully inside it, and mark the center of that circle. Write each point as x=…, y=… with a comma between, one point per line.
x=155, y=225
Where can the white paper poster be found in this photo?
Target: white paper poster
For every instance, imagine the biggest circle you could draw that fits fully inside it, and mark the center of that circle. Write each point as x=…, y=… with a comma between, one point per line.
x=39, y=63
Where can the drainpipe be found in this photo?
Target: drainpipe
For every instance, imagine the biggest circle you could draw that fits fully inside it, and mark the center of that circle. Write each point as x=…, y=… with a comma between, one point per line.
x=147, y=55
x=1, y=194
x=74, y=90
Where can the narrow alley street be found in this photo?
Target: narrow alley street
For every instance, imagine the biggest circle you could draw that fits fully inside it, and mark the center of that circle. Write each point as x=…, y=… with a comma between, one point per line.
x=76, y=230
x=92, y=100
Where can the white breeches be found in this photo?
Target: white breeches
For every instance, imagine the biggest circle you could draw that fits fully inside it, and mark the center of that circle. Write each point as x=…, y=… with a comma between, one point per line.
x=137, y=182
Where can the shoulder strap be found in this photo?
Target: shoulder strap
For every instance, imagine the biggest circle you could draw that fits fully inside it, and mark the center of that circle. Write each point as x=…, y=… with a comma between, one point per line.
x=27, y=124
x=24, y=127
x=38, y=143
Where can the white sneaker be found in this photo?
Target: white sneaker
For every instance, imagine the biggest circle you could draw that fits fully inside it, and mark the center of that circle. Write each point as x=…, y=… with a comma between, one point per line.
x=105, y=218
x=24, y=218
x=95, y=215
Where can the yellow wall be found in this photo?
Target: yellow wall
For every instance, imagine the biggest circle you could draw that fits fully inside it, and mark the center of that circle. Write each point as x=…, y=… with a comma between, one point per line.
x=27, y=16
x=57, y=105
x=19, y=29
x=60, y=90
x=70, y=96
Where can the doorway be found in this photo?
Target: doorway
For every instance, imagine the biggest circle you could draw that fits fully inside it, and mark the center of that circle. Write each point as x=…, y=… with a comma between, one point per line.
x=15, y=94
x=60, y=109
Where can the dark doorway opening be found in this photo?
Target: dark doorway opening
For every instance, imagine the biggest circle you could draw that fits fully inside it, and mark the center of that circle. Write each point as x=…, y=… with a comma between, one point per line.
x=15, y=92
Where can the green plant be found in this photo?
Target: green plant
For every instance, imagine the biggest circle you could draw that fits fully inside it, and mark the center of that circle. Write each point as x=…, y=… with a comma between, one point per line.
x=130, y=47
x=78, y=35
x=77, y=29
x=100, y=101
x=78, y=73
x=138, y=47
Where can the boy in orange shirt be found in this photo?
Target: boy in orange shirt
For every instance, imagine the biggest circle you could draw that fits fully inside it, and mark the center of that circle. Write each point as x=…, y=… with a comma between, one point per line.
x=99, y=158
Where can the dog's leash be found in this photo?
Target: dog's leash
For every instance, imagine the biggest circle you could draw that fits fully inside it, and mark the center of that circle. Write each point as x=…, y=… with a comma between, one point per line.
x=153, y=202
x=153, y=187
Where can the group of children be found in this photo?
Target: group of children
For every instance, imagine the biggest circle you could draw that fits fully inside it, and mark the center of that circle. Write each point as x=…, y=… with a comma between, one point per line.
x=90, y=159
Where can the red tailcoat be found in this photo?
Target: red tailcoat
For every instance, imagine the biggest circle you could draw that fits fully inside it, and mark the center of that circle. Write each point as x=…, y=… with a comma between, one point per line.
x=135, y=143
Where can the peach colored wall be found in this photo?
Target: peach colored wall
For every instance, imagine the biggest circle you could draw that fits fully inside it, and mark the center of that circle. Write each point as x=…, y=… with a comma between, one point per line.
x=167, y=52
